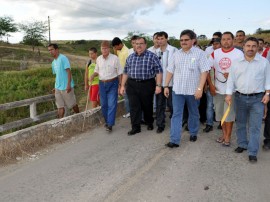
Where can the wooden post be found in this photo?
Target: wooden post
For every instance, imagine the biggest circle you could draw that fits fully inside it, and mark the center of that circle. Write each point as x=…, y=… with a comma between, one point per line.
x=33, y=110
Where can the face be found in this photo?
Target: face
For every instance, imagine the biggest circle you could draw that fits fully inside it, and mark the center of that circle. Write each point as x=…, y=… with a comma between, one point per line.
x=133, y=43
x=240, y=37
x=186, y=43
x=250, y=48
x=92, y=55
x=105, y=50
x=117, y=47
x=226, y=41
x=261, y=45
x=140, y=46
x=155, y=40
x=216, y=45
x=162, y=41
x=54, y=52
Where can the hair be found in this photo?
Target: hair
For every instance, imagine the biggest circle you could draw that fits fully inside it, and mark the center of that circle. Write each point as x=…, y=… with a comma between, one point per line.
x=134, y=37
x=105, y=43
x=251, y=39
x=93, y=49
x=260, y=39
x=219, y=34
x=162, y=33
x=141, y=37
x=241, y=31
x=188, y=32
x=116, y=41
x=155, y=34
x=55, y=46
x=229, y=34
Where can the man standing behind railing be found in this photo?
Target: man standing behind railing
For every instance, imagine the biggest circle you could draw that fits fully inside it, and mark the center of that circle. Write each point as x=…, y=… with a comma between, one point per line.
x=64, y=84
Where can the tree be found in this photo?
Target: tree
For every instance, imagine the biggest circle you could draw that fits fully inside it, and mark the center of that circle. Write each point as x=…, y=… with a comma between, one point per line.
x=34, y=33
x=7, y=26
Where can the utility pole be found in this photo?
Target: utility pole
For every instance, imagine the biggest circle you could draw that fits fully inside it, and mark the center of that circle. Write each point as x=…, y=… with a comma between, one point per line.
x=49, y=29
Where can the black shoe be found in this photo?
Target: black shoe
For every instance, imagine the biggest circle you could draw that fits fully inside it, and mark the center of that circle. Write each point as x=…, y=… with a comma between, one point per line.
x=109, y=128
x=105, y=125
x=219, y=126
x=143, y=122
x=252, y=159
x=150, y=127
x=171, y=145
x=208, y=128
x=160, y=130
x=266, y=146
x=193, y=138
x=239, y=150
x=134, y=131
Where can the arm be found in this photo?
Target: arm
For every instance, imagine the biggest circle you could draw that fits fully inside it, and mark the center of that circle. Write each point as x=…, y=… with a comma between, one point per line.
x=123, y=83
x=198, y=92
x=169, y=76
x=158, y=82
x=86, y=86
x=69, y=80
x=212, y=88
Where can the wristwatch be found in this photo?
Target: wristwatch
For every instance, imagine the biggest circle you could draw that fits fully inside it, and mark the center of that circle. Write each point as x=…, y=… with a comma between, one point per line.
x=199, y=89
x=158, y=84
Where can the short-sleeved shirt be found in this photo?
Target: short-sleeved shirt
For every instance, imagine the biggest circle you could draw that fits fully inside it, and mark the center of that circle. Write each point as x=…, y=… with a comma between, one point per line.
x=144, y=66
x=122, y=55
x=91, y=70
x=186, y=68
x=59, y=66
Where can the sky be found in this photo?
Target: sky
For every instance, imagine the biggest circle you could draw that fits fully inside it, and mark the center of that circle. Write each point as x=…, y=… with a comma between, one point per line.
x=106, y=19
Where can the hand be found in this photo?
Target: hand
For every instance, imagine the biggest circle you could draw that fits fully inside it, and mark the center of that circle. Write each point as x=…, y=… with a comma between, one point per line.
x=228, y=99
x=158, y=90
x=166, y=92
x=265, y=99
x=198, y=94
x=226, y=75
x=122, y=90
x=86, y=87
x=68, y=89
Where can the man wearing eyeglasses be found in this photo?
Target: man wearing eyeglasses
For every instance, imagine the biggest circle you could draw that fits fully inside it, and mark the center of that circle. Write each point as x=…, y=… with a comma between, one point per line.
x=249, y=79
x=188, y=68
x=142, y=67
x=221, y=60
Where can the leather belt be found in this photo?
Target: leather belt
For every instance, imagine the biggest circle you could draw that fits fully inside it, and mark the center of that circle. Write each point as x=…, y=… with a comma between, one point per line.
x=109, y=80
x=141, y=80
x=251, y=94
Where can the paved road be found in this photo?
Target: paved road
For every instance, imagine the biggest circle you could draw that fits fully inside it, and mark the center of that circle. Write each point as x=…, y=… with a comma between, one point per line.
x=97, y=166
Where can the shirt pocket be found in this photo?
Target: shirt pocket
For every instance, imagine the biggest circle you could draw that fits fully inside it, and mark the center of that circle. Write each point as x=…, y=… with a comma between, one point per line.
x=192, y=63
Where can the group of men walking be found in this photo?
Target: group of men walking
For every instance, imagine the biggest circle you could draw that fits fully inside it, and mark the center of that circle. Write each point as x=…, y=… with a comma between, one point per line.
x=234, y=76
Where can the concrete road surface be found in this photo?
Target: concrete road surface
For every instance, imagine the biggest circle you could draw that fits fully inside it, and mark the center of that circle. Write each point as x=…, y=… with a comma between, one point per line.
x=98, y=166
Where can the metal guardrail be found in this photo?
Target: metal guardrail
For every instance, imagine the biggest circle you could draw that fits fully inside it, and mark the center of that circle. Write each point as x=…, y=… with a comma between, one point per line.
x=33, y=111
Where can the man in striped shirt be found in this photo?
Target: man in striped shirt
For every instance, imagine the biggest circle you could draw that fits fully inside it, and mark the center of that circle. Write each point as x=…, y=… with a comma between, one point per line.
x=188, y=67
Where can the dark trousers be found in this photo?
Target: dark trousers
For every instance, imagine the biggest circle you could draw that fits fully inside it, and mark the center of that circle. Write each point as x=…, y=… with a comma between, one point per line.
x=162, y=102
x=140, y=95
x=266, y=132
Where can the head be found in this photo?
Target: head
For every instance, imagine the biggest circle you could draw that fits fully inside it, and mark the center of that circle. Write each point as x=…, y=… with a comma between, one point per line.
x=240, y=36
x=162, y=38
x=227, y=40
x=261, y=44
x=105, y=48
x=92, y=53
x=187, y=39
x=155, y=40
x=53, y=49
x=133, y=41
x=216, y=42
x=117, y=43
x=140, y=45
x=250, y=48
x=217, y=35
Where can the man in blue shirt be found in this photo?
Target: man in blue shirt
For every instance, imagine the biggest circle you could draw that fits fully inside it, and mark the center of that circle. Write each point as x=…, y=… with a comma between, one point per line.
x=64, y=84
x=142, y=67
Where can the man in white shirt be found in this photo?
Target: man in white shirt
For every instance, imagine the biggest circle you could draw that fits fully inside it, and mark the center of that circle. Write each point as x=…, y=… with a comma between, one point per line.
x=164, y=52
x=188, y=67
x=249, y=79
x=109, y=70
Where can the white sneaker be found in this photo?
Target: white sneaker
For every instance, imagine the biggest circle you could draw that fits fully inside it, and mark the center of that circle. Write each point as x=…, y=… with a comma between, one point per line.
x=126, y=115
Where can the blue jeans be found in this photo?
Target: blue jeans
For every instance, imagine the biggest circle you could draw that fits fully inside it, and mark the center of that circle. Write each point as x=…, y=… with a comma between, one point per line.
x=209, y=108
x=193, y=116
x=108, y=97
x=249, y=112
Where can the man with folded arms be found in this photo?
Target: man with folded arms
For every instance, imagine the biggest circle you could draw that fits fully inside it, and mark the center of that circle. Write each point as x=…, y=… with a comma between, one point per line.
x=249, y=79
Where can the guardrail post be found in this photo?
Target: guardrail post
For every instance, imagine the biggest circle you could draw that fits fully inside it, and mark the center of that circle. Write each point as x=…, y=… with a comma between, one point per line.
x=33, y=110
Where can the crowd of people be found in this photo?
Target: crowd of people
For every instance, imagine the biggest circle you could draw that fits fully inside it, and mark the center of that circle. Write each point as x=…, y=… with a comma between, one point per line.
x=232, y=74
